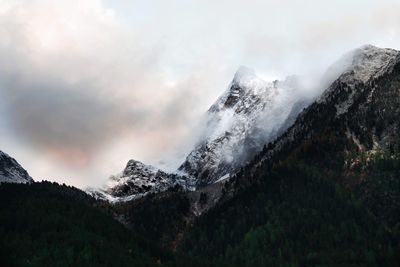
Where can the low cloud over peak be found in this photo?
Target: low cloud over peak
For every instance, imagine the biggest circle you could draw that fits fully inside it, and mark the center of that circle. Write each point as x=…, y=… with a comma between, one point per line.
x=87, y=85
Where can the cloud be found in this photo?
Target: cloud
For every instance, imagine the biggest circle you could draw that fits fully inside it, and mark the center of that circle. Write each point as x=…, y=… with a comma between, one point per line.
x=76, y=81
x=89, y=84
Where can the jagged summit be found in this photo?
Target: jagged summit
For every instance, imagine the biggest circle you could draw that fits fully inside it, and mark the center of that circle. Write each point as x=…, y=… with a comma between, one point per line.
x=247, y=78
x=136, y=180
x=243, y=72
x=11, y=171
x=244, y=85
x=245, y=117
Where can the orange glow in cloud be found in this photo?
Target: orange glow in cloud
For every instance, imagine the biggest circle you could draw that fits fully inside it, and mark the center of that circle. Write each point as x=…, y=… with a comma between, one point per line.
x=72, y=156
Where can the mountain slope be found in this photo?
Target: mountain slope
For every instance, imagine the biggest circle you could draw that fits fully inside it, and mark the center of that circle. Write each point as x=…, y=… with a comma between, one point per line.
x=357, y=103
x=47, y=224
x=11, y=171
x=355, y=122
x=295, y=217
x=325, y=193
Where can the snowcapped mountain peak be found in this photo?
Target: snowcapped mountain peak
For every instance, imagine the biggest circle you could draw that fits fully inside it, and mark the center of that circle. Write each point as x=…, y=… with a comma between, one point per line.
x=245, y=91
x=362, y=64
x=369, y=60
x=247, y=79
x=136, y=180
x=354, y=70
x=244, y=118
x=134, y=166
x=11, y=171
x=245, y=75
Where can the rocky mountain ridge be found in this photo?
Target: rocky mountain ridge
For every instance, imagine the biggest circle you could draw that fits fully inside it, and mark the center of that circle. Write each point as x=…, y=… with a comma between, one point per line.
x=11, y=171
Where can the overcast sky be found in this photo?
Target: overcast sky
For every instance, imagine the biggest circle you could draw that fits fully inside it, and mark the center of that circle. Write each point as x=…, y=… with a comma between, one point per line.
x=87, y=85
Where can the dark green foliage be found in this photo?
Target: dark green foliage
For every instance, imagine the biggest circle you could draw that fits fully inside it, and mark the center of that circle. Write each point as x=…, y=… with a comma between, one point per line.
x=317, y=201
x=379, y=189
x=159, y=218
x=46, y=224
x=296, y=218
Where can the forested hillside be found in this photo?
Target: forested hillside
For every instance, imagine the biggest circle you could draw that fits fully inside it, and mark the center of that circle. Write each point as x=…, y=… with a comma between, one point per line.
x=46, y=224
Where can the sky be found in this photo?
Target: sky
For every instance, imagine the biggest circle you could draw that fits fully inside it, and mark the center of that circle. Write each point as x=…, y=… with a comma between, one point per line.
x=86, y=85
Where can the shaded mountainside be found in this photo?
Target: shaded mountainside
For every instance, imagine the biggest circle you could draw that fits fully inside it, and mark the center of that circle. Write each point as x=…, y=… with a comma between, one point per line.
x=294, y=217
x=362, y=104
x=359, y=116
x=327, y=192
x=46, y=224
x=11, y=171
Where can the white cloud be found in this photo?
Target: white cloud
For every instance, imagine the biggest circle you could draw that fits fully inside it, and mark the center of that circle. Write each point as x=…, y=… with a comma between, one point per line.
x=86, y=85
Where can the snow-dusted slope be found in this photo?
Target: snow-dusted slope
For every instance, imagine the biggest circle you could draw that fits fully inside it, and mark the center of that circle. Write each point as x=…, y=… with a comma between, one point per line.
x=136, y=180
x=247, y=116
x=361, y=64
x=358, y=67
x=362, y=102
x=11, y=171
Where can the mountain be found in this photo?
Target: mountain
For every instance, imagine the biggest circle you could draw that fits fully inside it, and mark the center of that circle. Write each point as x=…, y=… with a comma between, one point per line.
x=350, y=133
x=11, y=171
x=356, y=124
x=47, y=224
x=327, y=191
x=362, y=104
x=324, y=192
x=248, y=115
x=137, y=180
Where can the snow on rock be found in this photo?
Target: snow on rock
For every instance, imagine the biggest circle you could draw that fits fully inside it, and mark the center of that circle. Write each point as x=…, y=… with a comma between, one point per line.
x=362, y=64
x=355, y=85
x=246, y=117
x=11, y=171
x=357, y=67
x=135, y=181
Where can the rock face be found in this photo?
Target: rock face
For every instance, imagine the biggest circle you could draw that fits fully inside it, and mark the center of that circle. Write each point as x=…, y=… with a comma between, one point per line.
x=11, y=171
x=136, y=180
x=246, y=117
